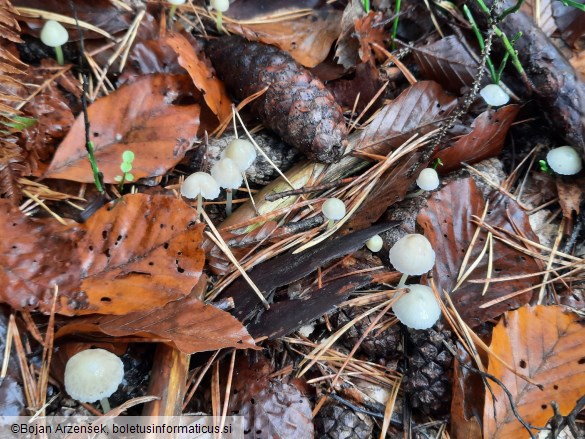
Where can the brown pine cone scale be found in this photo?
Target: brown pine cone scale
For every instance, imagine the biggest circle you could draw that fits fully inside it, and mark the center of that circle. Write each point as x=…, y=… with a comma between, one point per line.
x=296, y=106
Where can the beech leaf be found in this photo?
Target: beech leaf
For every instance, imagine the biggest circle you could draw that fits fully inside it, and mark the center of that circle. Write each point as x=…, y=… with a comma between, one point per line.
x=544, y=343
x=141, y=117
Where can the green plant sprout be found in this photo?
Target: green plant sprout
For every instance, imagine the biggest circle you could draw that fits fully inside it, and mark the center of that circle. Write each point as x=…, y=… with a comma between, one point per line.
x=126, y=167
x=395, y=25
x=437, y=163
x=509, y=44
x=366, y=4
x=19, y=123
x=544, y=167
x=574, y=4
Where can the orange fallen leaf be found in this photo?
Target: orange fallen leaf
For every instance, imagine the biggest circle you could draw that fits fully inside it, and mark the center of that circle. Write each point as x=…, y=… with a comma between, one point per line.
x=546, y=344
x=188, y=324
x=202, y=75
x=135, y=253
x=141, y=117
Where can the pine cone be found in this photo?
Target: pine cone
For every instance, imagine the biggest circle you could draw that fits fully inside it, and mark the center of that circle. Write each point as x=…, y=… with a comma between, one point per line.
x=297, y=106
x=428, y=385
x=335, y=421
x=377, y=344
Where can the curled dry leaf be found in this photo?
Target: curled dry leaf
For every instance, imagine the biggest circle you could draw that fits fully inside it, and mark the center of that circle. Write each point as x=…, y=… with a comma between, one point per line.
x=448, y=62
x=370, y=29
x=571, y=195
x=447, y=223
x=544, y=343
x=146, y=117
x=485, y=140
x=308, y=39
x=188, y=324
x=347, y=46
x=135, y=253
x=202, y=75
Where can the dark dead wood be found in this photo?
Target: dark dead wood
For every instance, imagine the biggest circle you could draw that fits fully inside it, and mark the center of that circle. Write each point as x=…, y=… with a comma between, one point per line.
x=288, y=267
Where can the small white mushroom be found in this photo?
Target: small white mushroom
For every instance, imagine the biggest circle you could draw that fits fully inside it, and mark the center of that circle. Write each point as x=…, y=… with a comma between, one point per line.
x=220, y=5
x=564, y=160
x=55, y=35
x=412, y=255
x=200, y=185
x=242, y=152
x=228, y=175
x=428, y=179
x=92, y=375
x=374, y=244
x=494, y=95
x=417, y=309
x=333, y=209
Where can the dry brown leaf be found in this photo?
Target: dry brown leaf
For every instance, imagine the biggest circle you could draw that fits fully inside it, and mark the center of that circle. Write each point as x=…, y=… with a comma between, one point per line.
x=146, y=117
x=202, y=75
x=188, y=324
x=138, y=252
x=448, y=62
x=571, y=195
x=485, y=140
x=370, y=30
x=308, y=39
x=447, y=223
x=546, y=344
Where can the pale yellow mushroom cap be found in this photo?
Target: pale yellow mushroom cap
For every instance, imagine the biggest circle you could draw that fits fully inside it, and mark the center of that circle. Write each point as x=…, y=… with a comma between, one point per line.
x=93, y=374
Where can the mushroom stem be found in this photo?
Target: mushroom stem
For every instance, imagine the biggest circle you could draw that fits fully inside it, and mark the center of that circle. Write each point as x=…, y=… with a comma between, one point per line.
x=172, y=11
x=330, y=224
x=228, y=205
x=59, y=55
x=105, y=405
x=219, y=20
x=199, y=206
x=402, y=281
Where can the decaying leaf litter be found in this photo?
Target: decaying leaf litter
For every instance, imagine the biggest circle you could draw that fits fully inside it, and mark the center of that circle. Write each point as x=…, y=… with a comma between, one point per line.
x=348, y=100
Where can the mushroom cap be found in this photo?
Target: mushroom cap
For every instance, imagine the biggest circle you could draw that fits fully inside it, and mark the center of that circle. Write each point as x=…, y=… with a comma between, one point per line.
x=494, y=95
x=227, y=173
x=220, y=5
x=428, y=179
x=564, y=160
x=200, y=183
x=177, y=2
x=417, y=309
x=242, y=152
x=412, y=254
x=333, y=209
x=93, y=374
x=375, y=243
x=54, y=34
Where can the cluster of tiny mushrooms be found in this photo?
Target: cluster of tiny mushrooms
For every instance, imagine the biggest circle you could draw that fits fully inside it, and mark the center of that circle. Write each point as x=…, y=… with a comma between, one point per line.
x=95, y=374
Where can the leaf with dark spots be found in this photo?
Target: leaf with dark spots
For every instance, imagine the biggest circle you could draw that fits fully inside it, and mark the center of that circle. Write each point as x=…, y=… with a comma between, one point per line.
x=288, y=267
x=447, y=223
x=448, y=62
x=188, y=324
x=139, y=117
x=418, y=109
x=485, y=140
x=284, y=317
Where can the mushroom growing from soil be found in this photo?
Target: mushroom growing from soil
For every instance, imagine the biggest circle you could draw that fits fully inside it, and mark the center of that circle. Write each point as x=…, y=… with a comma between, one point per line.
x=417, y=309
x=494, y=95
x=228, y=175
x=564, y=160
x=333, y=209
x=428, y=179
x=220, y=6
x=55, y=35
x=200, y=185
x=174, y=4
x=374, y=244
x=93, y=375
x=412, y=255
